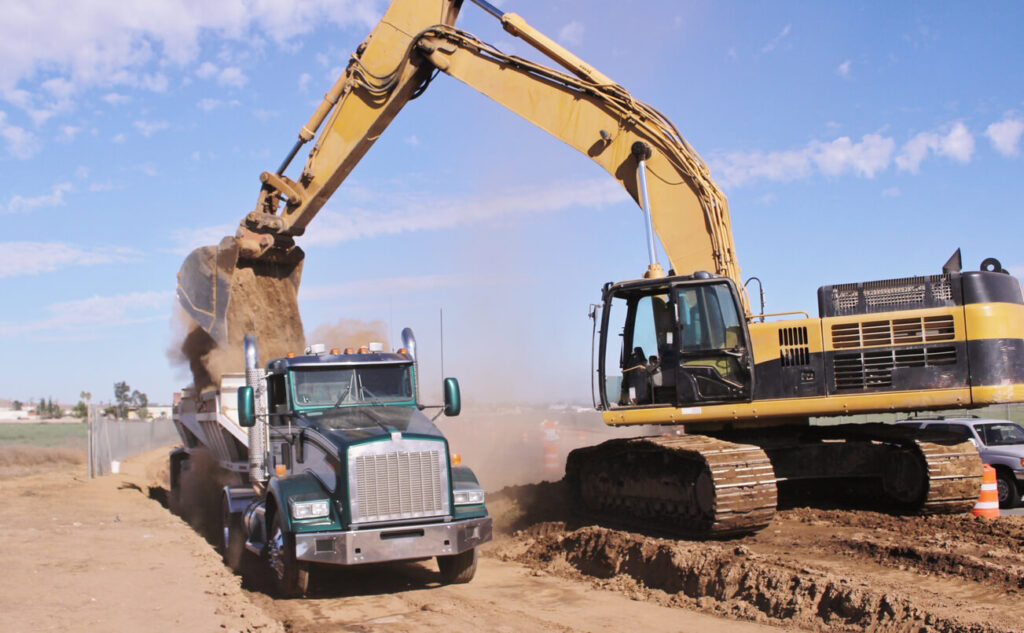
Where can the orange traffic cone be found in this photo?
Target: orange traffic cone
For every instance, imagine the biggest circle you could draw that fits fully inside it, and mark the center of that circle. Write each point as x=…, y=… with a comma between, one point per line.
x=988, y=502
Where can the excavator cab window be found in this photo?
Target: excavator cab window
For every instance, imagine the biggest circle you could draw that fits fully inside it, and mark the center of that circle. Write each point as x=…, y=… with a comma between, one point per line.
x=682, y=344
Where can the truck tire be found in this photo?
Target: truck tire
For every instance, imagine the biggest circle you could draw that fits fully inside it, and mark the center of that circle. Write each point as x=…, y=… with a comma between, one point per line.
x=290, y=577
x=457, y=568
x=177, y=468
x=1006, y=484
x=232, y=541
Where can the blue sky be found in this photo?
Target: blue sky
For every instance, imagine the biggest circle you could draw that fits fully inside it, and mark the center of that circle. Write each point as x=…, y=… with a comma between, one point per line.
x=855, y=141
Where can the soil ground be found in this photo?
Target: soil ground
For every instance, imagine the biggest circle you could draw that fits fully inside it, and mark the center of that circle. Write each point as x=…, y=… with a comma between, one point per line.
x=105, y=555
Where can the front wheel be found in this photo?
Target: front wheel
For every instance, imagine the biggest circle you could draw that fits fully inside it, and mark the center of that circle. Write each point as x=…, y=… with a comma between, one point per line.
x=457, y=568
x=1009, y=494
x=289, y=575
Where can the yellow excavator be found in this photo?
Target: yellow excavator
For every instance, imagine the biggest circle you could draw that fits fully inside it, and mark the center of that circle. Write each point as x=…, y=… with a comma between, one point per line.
x=690, y=351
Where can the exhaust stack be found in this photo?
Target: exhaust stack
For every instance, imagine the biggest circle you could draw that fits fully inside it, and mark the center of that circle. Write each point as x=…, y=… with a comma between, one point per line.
x=409, y=343
x=255, y=378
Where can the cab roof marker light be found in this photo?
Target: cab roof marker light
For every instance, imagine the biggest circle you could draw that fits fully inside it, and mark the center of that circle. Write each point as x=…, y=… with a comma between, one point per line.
x=349, y=350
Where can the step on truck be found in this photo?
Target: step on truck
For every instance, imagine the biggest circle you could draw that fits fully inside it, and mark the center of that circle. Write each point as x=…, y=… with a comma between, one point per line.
x=331, y=460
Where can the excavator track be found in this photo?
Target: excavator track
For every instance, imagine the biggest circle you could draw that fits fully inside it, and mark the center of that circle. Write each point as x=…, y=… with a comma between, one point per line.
x=690, y=485
x=700, y=486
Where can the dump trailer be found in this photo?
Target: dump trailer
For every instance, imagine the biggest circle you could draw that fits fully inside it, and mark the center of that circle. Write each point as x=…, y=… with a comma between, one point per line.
x=330, y=459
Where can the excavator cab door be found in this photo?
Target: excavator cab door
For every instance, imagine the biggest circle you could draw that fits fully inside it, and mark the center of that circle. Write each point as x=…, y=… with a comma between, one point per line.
x=684, y=342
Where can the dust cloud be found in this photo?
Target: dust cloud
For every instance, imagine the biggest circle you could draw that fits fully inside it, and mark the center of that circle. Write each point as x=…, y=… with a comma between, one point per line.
x=198, y=499
x=350, y=333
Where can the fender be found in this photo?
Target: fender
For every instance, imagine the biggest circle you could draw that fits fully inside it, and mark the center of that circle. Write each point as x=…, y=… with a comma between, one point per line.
x=302, y=487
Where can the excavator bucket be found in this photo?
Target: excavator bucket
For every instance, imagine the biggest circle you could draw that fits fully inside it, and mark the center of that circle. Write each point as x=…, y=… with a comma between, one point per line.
x=211, y=277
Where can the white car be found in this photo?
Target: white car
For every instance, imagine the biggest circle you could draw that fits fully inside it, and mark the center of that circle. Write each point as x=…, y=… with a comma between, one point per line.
x=1000, y=444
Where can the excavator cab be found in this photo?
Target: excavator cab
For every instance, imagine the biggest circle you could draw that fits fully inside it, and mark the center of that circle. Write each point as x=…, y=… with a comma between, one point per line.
x=684, y=342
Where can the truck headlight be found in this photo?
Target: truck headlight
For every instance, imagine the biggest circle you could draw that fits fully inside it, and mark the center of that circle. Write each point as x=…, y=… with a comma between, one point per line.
x=469, y=497
x=310, y=509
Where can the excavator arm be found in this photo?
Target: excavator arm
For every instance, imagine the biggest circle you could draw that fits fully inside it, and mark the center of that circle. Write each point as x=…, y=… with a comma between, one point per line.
x=585, y=109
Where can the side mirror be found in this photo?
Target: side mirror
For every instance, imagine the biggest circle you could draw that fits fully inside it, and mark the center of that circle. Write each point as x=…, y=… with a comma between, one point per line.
x=452, y=397
x=246, y=407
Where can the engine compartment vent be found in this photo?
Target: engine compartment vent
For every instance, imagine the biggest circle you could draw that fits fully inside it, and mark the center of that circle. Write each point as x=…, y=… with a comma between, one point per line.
x=873, y=369
x=793, y=348
x=888, y=332
x=888, y=295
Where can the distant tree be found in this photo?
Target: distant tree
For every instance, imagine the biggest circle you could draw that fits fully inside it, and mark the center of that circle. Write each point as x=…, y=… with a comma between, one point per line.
x=141, y=404
x=87, y=401
x=110, y=412
x=80, y=410
x=122, y=399
x=16, y=405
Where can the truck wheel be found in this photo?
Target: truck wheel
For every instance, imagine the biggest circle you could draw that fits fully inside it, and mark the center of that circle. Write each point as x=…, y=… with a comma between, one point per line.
x=232, y=542
x=177, y=468
x=1009, y=494
x=290, y=576
x=457, y=568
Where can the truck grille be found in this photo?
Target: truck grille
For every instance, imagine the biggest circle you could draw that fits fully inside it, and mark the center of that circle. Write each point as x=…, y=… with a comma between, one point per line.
x=397, y=480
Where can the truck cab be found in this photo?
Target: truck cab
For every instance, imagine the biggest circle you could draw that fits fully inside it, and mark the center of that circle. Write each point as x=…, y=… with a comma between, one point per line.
x=347, y=469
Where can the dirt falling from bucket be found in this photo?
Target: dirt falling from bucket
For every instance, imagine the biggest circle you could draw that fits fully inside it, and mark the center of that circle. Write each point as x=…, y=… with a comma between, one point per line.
x=263, y=303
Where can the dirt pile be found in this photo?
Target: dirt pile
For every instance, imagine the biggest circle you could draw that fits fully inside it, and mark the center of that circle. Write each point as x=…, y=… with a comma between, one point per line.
x=822, y=570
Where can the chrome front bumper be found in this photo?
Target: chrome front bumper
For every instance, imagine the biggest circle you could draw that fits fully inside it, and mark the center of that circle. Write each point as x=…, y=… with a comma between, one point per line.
x=392, y=543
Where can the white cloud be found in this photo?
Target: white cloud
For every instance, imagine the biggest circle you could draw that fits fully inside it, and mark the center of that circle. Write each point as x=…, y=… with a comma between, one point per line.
x=98, y=43
x=871, y=155
x=891, y=192
x=118, y=138
x=55, y=198
x=572, y=33
x=774, y=43
x=866, y=158
x=208, y=105
x=20, y=142
x=68, y=133
x=304, y=80
x=957, y=143
x=206, y=70
x=375, y=213
x=413, y=140
x=1005, y=135
x=843, y=70
x=149, y=128
x=233, y=77
x=114, y=98
x=86, y=316
x=154, y=83
x=32, y=258
x=186, y=240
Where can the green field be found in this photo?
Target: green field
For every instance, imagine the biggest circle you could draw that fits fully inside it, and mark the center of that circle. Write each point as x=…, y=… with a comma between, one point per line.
x=71, y=435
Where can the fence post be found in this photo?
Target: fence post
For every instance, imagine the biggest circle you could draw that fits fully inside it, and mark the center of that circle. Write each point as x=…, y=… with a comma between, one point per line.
x=88, y=435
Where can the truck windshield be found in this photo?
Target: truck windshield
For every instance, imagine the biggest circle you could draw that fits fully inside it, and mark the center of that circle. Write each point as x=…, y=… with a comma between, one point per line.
x=330, y=386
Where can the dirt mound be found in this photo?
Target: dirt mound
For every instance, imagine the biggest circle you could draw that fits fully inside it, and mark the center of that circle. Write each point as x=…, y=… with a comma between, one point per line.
x=734, y=580
x=823, y=570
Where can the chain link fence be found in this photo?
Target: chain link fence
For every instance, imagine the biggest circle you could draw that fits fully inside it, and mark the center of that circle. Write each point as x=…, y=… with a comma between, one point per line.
x=113, y=441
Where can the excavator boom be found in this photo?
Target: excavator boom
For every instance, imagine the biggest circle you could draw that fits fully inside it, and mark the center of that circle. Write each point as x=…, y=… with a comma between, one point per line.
x=414, y=39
